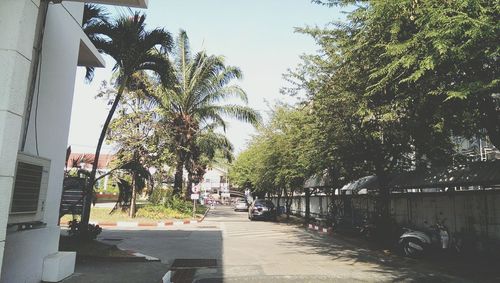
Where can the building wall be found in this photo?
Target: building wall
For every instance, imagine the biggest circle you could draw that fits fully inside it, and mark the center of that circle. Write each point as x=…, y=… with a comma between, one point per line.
x=25, y=250
x=17, y=19
x=212, y=177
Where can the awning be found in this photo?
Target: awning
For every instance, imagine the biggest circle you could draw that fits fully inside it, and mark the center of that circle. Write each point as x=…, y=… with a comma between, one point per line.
x=361, y=186
x=319, y=180
x=485, y=173
x=127, y=3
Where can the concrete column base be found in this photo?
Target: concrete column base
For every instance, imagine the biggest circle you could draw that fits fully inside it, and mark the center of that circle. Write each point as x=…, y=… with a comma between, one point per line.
x=58, y=266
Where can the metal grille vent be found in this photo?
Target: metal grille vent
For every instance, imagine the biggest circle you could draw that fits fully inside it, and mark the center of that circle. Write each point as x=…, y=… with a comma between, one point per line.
x=27, y=188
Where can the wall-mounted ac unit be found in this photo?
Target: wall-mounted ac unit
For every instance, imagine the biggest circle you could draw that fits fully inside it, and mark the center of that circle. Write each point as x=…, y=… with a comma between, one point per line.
x=30, y=189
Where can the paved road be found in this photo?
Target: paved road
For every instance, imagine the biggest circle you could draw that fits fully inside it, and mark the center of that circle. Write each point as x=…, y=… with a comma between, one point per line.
x=227, y=247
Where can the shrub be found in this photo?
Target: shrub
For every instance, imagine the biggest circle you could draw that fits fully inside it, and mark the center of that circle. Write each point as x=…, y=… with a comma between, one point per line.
x=160, y=212
x=177, y=203
x=159, y=196
x=75, y=231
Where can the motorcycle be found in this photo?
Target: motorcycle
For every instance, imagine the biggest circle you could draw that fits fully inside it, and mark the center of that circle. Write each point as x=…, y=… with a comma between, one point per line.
x=416, y=243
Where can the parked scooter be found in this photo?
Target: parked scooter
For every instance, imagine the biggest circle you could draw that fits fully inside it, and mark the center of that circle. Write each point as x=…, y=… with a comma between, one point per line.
x=416, y=243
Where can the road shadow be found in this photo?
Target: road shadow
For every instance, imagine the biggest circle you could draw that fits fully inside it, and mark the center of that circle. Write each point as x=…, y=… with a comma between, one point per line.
x=342, y=248
x=186, y=255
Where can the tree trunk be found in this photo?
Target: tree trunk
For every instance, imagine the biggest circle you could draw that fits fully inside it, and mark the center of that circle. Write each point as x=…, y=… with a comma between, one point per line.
x=308, y=204
x=189, y=185
x=87, y=200
x=178, y=175
x=278, y=199
x=133, y=196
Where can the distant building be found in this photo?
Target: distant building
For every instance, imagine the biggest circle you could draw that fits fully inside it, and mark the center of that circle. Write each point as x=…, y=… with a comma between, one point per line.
x=215, y=181
x=86, y=160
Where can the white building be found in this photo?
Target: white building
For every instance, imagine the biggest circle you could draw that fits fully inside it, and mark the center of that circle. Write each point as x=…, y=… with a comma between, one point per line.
x=215, y=180
x=33, y=147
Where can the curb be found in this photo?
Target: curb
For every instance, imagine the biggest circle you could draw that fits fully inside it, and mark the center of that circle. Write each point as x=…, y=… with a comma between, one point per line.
x=204, y=215
x=145, y=224
x=131, y=224
x=133, y=257
x=319, y=229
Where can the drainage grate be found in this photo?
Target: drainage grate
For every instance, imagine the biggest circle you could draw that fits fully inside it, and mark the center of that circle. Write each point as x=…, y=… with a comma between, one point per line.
x=193, y=263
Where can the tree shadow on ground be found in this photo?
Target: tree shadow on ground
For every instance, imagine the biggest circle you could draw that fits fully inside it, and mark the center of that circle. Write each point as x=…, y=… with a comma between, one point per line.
x=357, y=253
x=188, y=255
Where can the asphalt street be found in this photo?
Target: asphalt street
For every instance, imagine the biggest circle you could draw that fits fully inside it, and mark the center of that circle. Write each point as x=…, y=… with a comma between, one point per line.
x=227, y=247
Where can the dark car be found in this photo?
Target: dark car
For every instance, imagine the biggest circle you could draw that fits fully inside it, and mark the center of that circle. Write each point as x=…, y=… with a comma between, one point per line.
x=262, y=209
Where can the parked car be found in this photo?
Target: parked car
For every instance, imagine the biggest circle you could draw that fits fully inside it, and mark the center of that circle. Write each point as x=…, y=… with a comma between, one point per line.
x=262, y=209
x=241, y=205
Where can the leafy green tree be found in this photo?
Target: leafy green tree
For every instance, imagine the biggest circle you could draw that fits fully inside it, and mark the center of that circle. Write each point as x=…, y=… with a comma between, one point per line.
x=394, y=83
x=134, y=49
x=133, y=132
x=280, y=158
x=193, y=101
x=447, y=49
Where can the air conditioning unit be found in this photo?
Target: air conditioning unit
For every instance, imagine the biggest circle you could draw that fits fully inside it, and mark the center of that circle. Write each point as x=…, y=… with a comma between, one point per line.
x=30, y=189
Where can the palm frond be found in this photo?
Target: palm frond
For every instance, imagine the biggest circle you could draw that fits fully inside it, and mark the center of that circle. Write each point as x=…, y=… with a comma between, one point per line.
x=239, y=112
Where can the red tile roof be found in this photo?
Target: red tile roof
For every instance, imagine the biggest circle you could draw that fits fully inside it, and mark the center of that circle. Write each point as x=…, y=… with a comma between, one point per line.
x=88, y=159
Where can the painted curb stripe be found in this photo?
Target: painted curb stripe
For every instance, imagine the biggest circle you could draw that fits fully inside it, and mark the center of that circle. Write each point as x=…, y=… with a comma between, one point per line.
x=127, y=224
x=107, y=223
x=140, y=224
x=147, y=224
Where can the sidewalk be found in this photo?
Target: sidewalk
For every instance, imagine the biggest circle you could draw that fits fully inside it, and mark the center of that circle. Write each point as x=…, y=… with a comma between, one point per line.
x=123, y=272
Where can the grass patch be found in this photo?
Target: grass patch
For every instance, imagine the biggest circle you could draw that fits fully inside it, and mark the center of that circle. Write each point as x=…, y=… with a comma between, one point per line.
x=145, y=213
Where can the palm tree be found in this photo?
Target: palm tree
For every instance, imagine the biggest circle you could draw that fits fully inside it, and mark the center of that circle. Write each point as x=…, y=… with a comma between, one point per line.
x=134, y=49
x=93, y=15
x=193, y=101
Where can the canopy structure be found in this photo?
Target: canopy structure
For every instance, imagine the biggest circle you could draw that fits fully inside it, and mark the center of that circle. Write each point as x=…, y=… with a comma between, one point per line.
x=319, y=180
x=361, y=186
x=484, y=173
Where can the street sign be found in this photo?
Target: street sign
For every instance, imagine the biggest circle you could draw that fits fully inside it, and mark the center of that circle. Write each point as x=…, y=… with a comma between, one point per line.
x=196, y=189
x=195, y=196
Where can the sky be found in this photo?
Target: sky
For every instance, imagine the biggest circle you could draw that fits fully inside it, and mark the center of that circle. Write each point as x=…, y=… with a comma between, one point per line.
x=257, y=36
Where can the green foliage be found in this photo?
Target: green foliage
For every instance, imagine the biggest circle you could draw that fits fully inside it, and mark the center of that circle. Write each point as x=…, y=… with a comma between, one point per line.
x=179, y=204
x=159, y=212
x=164, y=200
x=77, y=230
x=134, y=49
x=387, y=92
x=192, y=107
x=280, y=156
x=159, y=196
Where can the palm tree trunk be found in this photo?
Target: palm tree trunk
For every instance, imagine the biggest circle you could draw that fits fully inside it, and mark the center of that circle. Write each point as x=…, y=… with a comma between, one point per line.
x=87, y=200
x=178, y=175
x=189, y=185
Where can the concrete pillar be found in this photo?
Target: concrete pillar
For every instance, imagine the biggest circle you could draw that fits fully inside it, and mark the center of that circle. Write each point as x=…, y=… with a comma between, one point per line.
x=18, y=21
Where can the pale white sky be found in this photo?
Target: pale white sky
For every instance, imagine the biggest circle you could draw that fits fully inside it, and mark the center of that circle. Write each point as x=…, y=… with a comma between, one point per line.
x=257, y=36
